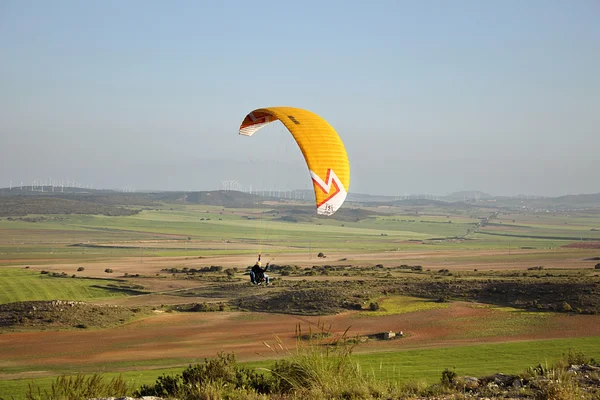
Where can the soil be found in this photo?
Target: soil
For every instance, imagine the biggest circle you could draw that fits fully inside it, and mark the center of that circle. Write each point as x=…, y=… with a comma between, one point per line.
x=453, y=260
x=193, y=336
x=583, y=245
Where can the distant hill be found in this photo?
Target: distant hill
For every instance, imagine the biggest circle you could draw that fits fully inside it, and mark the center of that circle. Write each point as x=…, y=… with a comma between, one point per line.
x=224, y=198
x=468, y=194
x=578, y=199
x=362, y=197
x=235, y=199
x=20, y=206
x=51, y=191
x=568, y=202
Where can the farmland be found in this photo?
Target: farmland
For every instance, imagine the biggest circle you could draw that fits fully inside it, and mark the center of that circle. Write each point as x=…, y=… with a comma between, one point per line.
x=471, y=282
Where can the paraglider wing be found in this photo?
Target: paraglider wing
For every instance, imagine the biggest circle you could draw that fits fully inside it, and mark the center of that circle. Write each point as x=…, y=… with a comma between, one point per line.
x=322, y=148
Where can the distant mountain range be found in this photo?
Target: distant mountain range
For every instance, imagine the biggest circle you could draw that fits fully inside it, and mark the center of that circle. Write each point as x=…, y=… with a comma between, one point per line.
x=242, y=199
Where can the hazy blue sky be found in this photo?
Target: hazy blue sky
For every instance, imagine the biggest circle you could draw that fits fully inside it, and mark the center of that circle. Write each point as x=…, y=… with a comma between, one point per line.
x=429, y=96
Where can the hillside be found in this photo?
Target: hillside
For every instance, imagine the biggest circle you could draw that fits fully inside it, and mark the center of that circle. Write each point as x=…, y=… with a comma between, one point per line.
x=61, y=314
x=19, y=206
x=223, y=198
x=236, y=199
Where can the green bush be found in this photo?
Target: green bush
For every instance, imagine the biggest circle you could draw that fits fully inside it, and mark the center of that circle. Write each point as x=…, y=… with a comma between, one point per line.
x=448, y=377
x=219, y=374
x=576, y=358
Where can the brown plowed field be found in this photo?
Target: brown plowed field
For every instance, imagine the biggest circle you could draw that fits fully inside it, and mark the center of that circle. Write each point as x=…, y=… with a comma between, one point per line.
x=457, y=260
x=583, y=245
x=188, y=336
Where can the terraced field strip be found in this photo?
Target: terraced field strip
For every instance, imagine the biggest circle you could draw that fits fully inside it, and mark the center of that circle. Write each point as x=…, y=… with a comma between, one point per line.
x=22, y=285
x=391, y=366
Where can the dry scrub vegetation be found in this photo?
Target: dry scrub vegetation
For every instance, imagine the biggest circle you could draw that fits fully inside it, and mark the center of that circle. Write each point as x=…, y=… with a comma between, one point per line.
x=59, y=314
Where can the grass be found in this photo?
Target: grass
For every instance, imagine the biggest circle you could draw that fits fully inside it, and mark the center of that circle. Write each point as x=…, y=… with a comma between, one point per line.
x=499, y=324
x=50, y=239
x=401, y=305
x=549, y=226
x=17, y=388
x=476, y=360
x=23, y=285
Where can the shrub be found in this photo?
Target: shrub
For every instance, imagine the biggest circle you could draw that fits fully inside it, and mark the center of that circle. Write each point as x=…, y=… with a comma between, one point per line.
x=576, y=358
x=566, y=306
x=80, y=269
x=597, y=266
x=321, y=255
x=215, y=376
x=318, y=370
x=553, y=383
x=448, y=377
x=352, y=305
x=374, y=306
x=81, y=387
x=108, y=270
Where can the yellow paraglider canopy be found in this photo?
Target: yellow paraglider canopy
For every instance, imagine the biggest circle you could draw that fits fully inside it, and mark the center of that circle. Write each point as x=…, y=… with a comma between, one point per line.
x=322, y=148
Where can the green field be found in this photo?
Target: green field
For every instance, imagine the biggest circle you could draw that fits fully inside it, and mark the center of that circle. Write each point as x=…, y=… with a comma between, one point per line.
x=190, y=229
x=478, y=360
x=24, y=285
x=402, y=304
x=575, y=226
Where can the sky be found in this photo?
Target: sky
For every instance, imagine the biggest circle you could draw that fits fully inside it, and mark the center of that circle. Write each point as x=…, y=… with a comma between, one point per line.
x=431, y=97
